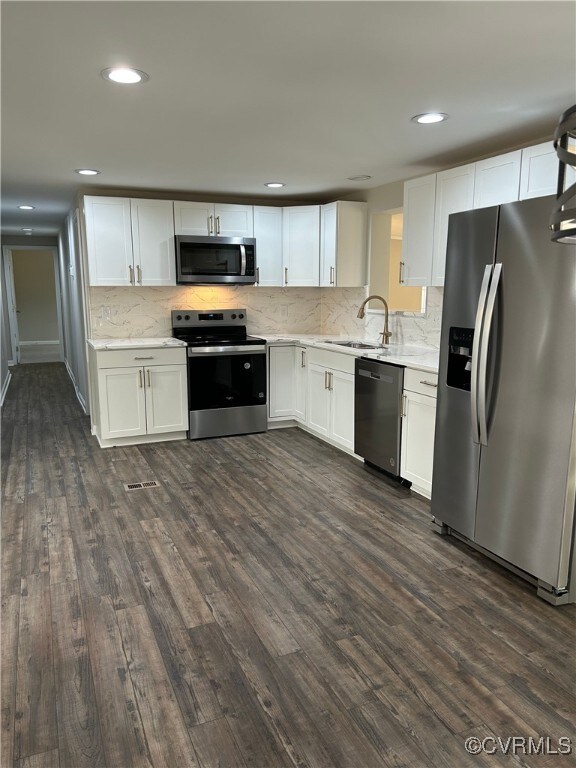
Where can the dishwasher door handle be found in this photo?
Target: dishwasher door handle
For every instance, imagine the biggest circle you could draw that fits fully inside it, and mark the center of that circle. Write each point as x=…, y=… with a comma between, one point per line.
x=368, y=374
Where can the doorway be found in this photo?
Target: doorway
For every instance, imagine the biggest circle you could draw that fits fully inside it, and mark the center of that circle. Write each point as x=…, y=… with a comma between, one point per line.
x=34, y=310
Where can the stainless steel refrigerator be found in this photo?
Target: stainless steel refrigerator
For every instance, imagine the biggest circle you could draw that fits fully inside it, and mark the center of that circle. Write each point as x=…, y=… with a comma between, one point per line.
x=505, y=446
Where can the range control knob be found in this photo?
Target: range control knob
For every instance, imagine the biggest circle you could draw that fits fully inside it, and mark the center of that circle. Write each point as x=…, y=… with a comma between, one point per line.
x=233, y=317
x=241, y=316
x=178, y=317
x=186, y=317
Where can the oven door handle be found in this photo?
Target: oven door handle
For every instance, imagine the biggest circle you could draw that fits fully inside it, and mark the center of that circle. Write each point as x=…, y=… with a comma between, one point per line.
x=242, y=260
x=225, y=351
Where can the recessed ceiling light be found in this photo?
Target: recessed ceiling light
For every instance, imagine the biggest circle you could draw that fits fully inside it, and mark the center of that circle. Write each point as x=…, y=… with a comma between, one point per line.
x=359, y=178
x=87, y=171
x=26, y=207
x=429, y=117
x=125, y=75
x=274, y=184
x=27, y=229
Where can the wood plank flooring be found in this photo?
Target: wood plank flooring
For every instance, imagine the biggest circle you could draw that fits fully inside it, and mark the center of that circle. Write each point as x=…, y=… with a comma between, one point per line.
x=270, y=605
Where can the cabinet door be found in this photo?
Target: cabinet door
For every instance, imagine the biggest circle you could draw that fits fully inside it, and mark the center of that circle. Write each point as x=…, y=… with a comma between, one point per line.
x=342, y=409
x=539, y=172
x=122, y=402
x=454, y=193
x=281, y=382
x=301, y=251
x=497, y=180
x=418, y=235
x=234, y=220
x=166, y=398
x=417, y=453
x=268, y=234
x=328, y=243
x=318, y=399
x=153, y=240
x=301, y=383
x=108, y=240
x=193, y=218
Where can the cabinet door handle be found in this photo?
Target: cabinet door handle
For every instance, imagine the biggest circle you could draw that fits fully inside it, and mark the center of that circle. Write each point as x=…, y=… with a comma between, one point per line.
x=131, y=273
x=139, y=273
x=257, y=275
x=210, y=225
x=148, y=377
x=428, y=383
x=140, y=378
x=285, y=275
x=303, y=360
x=217, y=225
x=403, y=415
x=326, y=380
x=331, y=381
x=401, y=273
x=332, y=270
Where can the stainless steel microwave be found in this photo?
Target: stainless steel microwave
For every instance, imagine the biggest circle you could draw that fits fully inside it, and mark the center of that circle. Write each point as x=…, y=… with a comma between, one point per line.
x=204, y=260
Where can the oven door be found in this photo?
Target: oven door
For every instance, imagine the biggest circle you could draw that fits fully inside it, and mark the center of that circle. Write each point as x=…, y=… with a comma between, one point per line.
x=225, y=379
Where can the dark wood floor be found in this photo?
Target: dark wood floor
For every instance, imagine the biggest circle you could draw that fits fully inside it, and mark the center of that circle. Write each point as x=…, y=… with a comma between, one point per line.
x=271, y=604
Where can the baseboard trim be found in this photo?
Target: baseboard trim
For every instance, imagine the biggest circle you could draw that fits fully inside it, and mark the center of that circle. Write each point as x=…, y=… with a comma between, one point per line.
x=78, y=393
x=5, y=387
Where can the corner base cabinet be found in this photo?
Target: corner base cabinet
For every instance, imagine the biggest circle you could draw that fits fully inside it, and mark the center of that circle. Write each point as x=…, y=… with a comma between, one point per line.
x=418, y=424
x=141, y=395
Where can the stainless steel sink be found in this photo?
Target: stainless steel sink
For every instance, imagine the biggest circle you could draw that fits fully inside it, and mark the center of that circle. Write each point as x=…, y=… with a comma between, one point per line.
x=355, y=344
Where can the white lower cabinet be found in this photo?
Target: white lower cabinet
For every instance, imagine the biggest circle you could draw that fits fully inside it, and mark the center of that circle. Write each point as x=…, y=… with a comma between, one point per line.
x=281, y=389
x=300, y=383
x=137, y=402
x=331, y=404
x=418, y=424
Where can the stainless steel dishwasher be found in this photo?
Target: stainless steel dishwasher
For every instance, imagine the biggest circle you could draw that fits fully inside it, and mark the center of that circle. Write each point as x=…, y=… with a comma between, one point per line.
x=378, y=413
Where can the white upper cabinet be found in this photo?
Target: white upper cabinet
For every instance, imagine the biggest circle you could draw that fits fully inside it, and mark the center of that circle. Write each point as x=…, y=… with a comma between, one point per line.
x=109, y=240
x=129, y=242
x=497, y=180
x=301, y=245
x=268, y=234
x=539, y=174
x=343, y=250
x=454, y=193
x=221, y=219
x=418, y=237
x=153, y=241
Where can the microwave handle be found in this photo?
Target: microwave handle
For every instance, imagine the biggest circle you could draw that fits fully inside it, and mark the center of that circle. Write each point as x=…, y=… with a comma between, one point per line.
x=242, y=260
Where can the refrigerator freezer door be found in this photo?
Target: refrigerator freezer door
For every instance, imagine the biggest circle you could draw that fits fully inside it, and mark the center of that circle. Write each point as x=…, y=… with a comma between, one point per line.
x=471, y=247
x=523, y=509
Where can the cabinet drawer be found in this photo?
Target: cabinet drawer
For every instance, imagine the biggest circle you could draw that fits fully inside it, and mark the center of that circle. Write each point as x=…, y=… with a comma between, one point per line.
x=338, y=361
x=123, y=358
x=421, y=381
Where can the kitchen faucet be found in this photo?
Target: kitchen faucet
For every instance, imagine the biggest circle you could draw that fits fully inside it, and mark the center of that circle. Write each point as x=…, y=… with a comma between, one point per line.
x=362, y=311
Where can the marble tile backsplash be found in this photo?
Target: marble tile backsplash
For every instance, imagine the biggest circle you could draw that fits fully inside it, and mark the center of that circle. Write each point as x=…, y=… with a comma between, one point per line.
x=121, y=312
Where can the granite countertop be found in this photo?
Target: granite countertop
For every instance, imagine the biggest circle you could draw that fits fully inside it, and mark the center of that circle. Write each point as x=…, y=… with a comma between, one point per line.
x=408, y=355
x=168, y=341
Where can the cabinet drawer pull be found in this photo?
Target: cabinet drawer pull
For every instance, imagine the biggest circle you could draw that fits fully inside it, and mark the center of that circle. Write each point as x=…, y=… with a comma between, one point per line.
x=149, y=357
x=428, y=383
x=140, y=378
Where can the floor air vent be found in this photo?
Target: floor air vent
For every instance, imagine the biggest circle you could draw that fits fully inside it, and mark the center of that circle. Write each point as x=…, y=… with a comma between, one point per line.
x=139, y=486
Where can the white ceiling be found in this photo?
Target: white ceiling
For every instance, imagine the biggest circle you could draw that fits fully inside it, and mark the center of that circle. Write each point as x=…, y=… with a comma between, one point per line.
x=241, y=93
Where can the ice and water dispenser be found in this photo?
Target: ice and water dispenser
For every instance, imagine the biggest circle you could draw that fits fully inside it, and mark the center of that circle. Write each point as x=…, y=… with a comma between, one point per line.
x=460, y=358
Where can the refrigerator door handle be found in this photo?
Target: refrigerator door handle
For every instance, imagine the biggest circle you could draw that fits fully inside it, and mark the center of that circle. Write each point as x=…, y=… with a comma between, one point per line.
x=476, y=351
x=483, y=364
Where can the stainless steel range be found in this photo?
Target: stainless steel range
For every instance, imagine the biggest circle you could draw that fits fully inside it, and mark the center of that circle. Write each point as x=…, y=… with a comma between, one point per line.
x=226, y=372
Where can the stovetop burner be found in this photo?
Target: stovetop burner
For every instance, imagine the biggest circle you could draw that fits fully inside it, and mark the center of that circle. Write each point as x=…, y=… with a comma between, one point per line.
x=222, y=327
